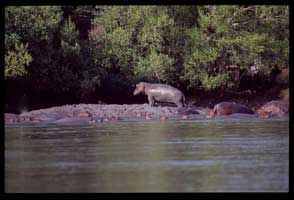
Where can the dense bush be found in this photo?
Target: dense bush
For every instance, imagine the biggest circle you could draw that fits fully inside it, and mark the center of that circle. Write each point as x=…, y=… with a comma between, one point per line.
x=243, y=36
x=96, y=51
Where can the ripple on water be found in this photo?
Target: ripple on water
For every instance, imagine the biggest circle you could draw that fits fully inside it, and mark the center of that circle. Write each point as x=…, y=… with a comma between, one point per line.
x=196, y=156
x=166, y=163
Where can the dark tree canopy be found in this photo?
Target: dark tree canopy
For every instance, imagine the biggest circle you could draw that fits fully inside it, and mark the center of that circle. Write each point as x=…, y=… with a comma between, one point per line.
x=94, y=51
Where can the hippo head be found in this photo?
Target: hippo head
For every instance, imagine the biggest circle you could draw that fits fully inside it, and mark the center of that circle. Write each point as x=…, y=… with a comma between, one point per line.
x=140, y=88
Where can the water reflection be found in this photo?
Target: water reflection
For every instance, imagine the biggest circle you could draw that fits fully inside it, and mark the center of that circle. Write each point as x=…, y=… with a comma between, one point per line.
x=169, y=156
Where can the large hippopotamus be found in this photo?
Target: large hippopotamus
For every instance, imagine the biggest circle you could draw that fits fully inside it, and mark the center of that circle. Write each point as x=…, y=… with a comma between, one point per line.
x=277, y=108
x=160, y=93
x=228, y=108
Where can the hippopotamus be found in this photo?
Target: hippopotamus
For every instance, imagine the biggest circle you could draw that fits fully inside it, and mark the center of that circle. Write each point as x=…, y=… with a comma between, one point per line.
x=160, y=93
x=277, y=108
x=228, y=108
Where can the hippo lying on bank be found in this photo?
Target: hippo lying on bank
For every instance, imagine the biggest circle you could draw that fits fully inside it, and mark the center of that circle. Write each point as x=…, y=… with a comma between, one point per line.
x=160, y=93
x=278, y=108
x=228, y=108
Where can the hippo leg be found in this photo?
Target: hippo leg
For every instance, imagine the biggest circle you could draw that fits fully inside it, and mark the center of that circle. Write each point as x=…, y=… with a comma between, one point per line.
x=151, y=101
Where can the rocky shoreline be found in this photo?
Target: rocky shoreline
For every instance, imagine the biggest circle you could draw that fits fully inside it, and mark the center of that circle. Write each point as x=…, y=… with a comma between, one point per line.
x=97, y=113
x=93, y=113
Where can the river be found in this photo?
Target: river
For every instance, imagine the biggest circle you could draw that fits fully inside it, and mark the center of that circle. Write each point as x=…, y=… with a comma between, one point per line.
x=247, y=155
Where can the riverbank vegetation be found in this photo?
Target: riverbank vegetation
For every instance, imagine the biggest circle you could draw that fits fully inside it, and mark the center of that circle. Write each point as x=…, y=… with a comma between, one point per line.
x=82, y=54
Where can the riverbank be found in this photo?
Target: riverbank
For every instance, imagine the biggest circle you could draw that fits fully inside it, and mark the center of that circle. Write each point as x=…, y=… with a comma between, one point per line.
x=96, y=113
x=197, y=108
x=93, y=113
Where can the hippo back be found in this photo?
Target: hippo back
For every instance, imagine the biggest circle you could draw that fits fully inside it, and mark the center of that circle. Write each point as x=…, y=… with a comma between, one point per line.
x=150, y=86
x=243, y=109
x=225, y=108
x=160, y=90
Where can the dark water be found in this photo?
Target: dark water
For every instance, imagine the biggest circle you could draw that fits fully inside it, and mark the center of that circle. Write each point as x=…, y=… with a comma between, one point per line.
x=170, y=156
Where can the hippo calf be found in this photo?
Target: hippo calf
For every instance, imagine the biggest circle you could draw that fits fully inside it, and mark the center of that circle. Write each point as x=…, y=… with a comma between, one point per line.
x=228, y=108
x=160, y=93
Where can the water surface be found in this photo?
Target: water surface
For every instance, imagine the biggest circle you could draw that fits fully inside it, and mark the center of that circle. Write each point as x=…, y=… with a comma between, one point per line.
x=156, y=156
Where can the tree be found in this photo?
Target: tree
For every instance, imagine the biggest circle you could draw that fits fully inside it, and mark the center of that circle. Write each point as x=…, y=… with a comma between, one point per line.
x=16, y=60
x=135, y=41
x=24, y=27
x=102, y=51
x=242, y=36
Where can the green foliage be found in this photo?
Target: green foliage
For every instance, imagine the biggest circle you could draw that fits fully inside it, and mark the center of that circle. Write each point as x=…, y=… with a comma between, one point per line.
x=155, y=67
x=152, y=33
x=213, y=82
x=31, y=23
x=236, y=35
x=59, y=63
x=16, y=60
x=83, y=49
x=11, y=39
x=69, y=38
x=135, y=41
x=31, y=26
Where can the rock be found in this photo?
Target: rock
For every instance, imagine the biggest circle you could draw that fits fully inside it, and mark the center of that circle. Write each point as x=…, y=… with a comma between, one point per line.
x=84, y=114
x=92, y=121
x=25, y=118
x=93, y=113
x=277, y=108
x=11, y=118
x=34, y=119
x=184, y=117
x=138, y=115
x=106, y=119
x=115, y=118
x=162, y=118
x=148, y=117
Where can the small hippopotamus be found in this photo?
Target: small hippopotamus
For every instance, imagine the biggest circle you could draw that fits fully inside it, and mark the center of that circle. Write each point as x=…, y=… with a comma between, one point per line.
x=160, y=93
x=277, y=108
x=228, y=108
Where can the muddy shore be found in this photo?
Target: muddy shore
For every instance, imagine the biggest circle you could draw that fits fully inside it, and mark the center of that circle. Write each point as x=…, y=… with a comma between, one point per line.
x=98, y=113
x=95, y=113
